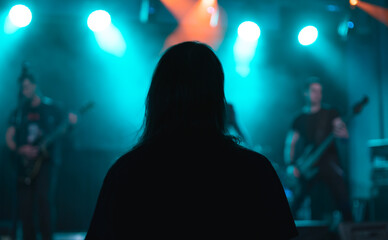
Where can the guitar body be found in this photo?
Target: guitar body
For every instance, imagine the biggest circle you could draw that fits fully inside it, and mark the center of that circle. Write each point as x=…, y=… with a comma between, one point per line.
x=29, y=168
x=303, y=170
x=306, y=164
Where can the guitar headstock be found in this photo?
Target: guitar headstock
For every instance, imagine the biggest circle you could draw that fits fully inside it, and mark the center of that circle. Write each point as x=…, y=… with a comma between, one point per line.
x=360, y=105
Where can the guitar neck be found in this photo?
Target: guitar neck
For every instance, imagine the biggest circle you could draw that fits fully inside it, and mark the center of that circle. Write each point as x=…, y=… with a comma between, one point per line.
x=60, y=130
x=328, y=140
x=63, y=127
x=323, y=146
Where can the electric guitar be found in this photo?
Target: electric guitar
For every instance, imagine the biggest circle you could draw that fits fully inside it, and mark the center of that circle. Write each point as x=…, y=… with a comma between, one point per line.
x=306, y=163
x=29, y=168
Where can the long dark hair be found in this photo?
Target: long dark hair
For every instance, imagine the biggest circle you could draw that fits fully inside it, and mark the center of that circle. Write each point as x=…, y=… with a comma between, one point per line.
x=186, y=93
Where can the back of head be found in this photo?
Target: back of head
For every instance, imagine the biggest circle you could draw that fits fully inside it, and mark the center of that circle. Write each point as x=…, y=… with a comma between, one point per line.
x=186, y=92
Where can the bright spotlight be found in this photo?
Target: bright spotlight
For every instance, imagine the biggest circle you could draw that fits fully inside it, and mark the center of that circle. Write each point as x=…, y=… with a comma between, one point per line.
x=249, y=31
x=308, y=35
x=111, y=40
x=209, y=2
x=245, y=46
x=20, y=15
x=353, y=2
x=99, y=20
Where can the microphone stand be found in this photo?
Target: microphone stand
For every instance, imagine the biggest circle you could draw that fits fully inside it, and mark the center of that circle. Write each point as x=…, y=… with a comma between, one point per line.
x=20, y=101
x=18, y=123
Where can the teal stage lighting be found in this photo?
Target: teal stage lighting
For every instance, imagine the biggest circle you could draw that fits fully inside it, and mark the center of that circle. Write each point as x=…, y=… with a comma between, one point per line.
x=308, y=35
x=99, y=20
x=20, y=16
x=249, y=31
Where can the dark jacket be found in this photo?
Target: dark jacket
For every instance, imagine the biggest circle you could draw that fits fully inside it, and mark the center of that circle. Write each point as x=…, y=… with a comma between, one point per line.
x=192, y=187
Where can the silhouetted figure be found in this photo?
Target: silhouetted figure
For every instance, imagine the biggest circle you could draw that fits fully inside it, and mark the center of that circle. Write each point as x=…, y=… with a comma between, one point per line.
x=35, y=118
x=308, y=133
x=186, y=178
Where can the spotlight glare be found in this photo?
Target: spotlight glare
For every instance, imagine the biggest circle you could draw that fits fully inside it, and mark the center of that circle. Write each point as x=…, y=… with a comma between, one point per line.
x=99, y=20
x=210, y=10
x=111, y=41
x=308, y=35
x=249, y=31
x=20, y=15
x=208, y=2
x=353, y=2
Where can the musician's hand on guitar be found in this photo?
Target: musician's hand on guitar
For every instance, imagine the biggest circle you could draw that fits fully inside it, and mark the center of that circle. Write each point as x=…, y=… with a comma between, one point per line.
x=293, y=171
x=29, y=151
x=339, y=128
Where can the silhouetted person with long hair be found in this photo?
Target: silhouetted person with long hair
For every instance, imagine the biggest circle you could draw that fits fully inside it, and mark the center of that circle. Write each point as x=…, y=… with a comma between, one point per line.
x=186, y=178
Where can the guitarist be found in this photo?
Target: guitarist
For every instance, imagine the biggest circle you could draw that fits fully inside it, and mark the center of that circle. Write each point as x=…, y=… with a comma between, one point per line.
x=35, y=117
x=310, y=128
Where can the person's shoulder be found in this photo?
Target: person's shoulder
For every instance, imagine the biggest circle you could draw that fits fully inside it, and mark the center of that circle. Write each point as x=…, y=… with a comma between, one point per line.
x=300, y=113
x=49, y=103
x=52, y=106
x=297, y=117
x=329, y=109
x=245, y=151
x=248, y=155
x=46, y=101
x=127, y=159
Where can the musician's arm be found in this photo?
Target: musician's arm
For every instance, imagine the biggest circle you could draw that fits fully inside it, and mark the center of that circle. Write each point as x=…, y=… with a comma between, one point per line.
x=28, y=151
x=289, y=148
x=339, y=128
x=9, y=138
x=289, y=152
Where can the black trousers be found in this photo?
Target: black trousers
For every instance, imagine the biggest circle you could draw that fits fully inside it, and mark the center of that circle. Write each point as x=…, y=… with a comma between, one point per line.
x=35, y=202
x=331, y=175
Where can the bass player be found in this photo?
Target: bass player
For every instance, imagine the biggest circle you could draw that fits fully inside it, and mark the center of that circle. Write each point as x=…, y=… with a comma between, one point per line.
x=309, y=129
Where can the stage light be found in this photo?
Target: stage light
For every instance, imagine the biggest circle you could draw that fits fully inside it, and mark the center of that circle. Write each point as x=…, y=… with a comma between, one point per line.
x=353, y=2
x=333, y=8
x=210, y=10
x=308, y=35
x=209, y=2
x=380, y=13
x=111, y=40
x=99, y=20
x=20, y=16
x=350, y=24
x=197, y=20
x=244, y=48
x=249, y=31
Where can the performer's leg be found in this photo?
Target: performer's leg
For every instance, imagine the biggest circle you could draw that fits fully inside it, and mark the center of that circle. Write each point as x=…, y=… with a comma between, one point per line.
x=299, y=195
x=333, y=176
x=14, y=207
x=45, y=201
x=26, y=210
